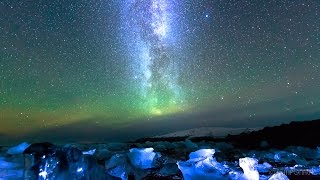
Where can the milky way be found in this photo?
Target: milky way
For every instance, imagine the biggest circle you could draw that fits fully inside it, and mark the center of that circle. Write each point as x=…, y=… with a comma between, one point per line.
x=150, y=24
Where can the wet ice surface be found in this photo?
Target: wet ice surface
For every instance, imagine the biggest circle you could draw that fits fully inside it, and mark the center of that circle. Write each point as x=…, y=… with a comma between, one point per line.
x=156, y=160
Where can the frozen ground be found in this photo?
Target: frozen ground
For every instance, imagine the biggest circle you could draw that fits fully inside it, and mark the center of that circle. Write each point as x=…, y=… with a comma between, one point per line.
x=289, y=151
x=157, y=160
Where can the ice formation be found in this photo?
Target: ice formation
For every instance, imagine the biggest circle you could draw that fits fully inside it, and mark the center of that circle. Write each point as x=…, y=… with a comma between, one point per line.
x=18, y=149
x=118, y=166
x=202, y=165
x=248, y=166
x=202, y=154
x=315, y=170
x=90, y=152
x=48, y=161
x=6, y=165
x=279, y=176
x=143, y=158
x=265, y=167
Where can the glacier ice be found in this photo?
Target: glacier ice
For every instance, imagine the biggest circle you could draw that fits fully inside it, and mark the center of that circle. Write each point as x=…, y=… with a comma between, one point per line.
x=105, y=161
x=248, y=166
x=288, y=157
x=202, y=154
x=143, y=158
x=4, y=164
x=234, y=175
x=202, y=169
x=315, y=170
x=90, y=152
x=49, y=169
x=279, y=176
x=265, y=167
x=18, y=149
x=118, y=166
x=11, y=167
x=202, y=165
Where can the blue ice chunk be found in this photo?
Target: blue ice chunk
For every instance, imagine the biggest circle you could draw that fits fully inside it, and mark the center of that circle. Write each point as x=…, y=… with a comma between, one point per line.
x=207, y=168
x=315, y=170
x=11, y=174
x=4, y=164
x=80, y=170
x=285, y=157
x=18, y=149
x=234, y=175
x=249, y=167
x=279, y=176
x=202, y=154
x=118, y=166
x=303, y=152
x=202, y=165
x=49, y=168
x=265, y=167
x=86, y=168
x=90, y=152
x=143, y=158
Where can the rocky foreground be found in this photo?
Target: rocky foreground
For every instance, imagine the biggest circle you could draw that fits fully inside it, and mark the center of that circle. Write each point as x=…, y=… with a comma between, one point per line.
x=233, y=157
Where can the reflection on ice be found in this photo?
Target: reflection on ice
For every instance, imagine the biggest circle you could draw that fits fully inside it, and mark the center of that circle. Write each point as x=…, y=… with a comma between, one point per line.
x=47, y=161
x=248, y=166
x=118, y=166
x=143, y=158
x=202, y=154
x=202, y=165
x=18, y=149
x=90, y=152
x=279, y=176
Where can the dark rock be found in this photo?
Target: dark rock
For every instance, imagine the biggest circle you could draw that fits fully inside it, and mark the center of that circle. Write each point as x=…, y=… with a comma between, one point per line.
x=159, y=177
x=304, y=133
x=40, y=149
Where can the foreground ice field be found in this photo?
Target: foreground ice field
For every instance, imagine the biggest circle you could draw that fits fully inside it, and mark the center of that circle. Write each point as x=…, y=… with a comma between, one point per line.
x=157, y=160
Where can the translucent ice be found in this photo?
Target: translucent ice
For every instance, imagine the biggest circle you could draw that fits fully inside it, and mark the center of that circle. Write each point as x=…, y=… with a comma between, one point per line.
x=202, y=154
x=248, y=166
x=202, y=165
x=234, y=175
x=279, y=176
x=285, y=157
x=143, y=158
x=11, y=174
x=118, y=166
x=90, y=152
x=7, y=165
x=265, y=167
x=315, y=170
x=202, y=169
x=49, y=169
x=18, y=149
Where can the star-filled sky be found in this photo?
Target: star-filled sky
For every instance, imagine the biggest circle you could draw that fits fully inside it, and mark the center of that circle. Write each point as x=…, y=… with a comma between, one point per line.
x=155, y=66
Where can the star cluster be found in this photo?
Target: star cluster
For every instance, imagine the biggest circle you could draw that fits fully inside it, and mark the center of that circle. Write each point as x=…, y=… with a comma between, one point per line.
x=115, y=63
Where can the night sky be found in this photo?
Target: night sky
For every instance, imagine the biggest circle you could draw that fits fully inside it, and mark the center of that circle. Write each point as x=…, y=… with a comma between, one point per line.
x=142, y=67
